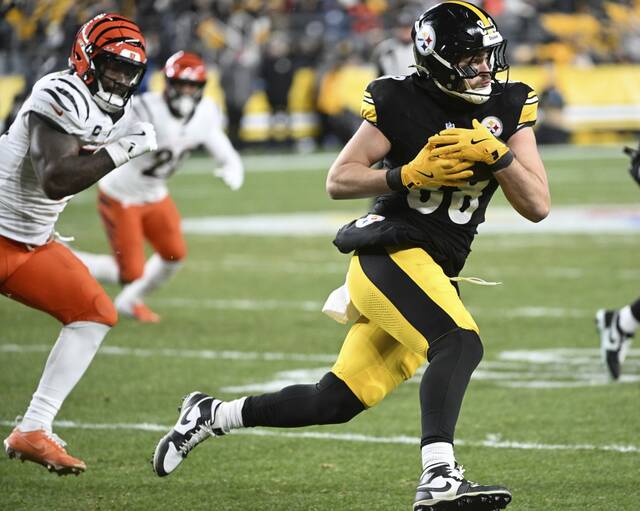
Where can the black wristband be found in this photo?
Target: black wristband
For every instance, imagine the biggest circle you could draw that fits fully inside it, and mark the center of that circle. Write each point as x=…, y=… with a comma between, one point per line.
x=394, y=179
x=504, y=161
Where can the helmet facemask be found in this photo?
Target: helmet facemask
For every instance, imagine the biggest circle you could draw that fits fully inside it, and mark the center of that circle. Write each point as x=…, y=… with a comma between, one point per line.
x=185, y=77
x=116, y=79
x=108, y=54
x=467, y=71
x=446, y=39
x=183, y=96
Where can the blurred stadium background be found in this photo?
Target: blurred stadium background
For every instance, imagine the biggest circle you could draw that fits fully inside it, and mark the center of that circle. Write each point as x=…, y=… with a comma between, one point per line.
x=243, y=315
x=291, y=72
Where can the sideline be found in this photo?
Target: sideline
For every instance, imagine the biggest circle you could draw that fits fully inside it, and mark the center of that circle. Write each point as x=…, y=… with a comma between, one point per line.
x=492, y=441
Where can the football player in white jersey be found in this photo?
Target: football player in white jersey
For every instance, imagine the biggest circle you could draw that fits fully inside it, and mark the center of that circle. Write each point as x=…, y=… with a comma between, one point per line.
x=75, y=127
x=134, y=201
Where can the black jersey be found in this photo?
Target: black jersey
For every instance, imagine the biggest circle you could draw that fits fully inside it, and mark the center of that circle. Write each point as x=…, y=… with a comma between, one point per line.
x=443, y=220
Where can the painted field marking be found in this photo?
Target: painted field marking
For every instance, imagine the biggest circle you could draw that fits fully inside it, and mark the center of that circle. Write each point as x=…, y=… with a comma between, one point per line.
x=555, y=368
x=316, y=306
x=596, y=218
x=304, y=162
x=256, y=265
x=492, y=441
x=180, y=353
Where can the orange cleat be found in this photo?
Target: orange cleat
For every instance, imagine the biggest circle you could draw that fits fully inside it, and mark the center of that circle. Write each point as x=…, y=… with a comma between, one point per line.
x=45, y=448
x=144, y=314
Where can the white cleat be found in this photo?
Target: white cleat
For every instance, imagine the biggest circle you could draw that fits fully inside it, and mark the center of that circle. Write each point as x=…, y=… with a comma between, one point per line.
x=444, y=488
x=195, y=424
x=614, y=343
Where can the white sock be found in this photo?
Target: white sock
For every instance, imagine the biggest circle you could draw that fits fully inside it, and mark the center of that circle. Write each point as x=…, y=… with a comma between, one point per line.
x=626, y=321
x=102, y=266
x=437, y=452
x=229, y=415
x=156, y=272
x=69, y=358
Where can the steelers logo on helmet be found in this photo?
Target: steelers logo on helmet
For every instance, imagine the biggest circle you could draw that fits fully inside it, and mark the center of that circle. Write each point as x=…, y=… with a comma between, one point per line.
x=444, y=38
x=493, y=124
x=425, y=39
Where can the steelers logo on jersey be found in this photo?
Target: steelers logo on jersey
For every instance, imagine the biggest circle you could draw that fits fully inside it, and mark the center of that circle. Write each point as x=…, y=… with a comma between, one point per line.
x=493, y=124
x=425, y=39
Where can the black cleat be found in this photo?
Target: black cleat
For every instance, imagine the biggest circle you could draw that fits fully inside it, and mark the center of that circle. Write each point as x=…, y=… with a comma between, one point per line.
x=444, y=488
x=195, y=424
x=614, y=343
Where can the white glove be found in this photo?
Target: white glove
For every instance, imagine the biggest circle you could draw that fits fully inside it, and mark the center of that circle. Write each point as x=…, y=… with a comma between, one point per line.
x=140, y=139
x=232, y=175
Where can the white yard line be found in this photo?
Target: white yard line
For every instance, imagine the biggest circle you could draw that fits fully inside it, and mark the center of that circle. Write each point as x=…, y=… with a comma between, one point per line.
x=510, y=359
x=176, y=353
x=492, y=441
x=292, y=162
x=555, y=368
x=589, y=219
x=241, y=304
x=316, y=306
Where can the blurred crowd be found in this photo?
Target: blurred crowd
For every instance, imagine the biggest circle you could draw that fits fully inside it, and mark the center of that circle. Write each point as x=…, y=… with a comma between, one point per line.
x=261, y=44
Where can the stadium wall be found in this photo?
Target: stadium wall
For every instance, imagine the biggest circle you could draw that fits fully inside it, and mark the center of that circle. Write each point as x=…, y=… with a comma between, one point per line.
x=602, y=103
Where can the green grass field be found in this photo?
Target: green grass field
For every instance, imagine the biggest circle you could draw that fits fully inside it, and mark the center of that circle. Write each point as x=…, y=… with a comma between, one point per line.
x=243, y=315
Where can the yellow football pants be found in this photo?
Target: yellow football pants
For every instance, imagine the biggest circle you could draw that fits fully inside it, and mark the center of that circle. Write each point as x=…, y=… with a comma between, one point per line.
x=406, y=302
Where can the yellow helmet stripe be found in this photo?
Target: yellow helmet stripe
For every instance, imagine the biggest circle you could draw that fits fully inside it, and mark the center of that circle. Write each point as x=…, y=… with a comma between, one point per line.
x=476, y=11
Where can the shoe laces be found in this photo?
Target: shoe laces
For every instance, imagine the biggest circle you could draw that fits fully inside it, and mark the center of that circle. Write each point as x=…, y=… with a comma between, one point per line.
x=51, y=435
x=202, y=432
x=48, y=433
x=457, y=472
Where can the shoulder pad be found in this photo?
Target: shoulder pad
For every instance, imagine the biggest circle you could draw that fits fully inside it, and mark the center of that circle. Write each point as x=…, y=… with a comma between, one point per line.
x=64, y=102
x=376, y=94
x=527, y=99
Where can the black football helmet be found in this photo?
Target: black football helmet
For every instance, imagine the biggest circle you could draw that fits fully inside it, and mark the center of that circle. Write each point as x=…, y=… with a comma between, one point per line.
x=449, y=32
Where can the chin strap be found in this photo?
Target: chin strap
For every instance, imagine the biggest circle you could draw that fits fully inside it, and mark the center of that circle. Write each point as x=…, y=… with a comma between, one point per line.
x=475, y=96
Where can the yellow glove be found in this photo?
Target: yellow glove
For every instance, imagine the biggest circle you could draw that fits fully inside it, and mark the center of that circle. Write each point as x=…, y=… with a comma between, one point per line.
x=426, y=171
x=477, y=144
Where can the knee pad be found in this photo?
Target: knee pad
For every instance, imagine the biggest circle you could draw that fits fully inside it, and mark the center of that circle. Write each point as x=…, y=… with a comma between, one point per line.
x=97, y=308
x=458, y=341
x=101, y=310
x=336, y=403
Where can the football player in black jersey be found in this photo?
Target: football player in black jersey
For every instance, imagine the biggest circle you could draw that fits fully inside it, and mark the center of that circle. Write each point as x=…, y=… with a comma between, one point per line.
x=449, y=134
x=618, y=327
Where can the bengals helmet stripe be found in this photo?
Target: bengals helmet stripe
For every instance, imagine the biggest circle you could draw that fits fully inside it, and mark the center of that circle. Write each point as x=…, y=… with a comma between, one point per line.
x=186, y=66
x=106, y=33
x=128, y=33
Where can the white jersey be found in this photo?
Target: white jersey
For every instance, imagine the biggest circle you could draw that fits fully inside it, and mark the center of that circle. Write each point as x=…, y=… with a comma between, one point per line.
x=143, y=179
x=26, y=213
